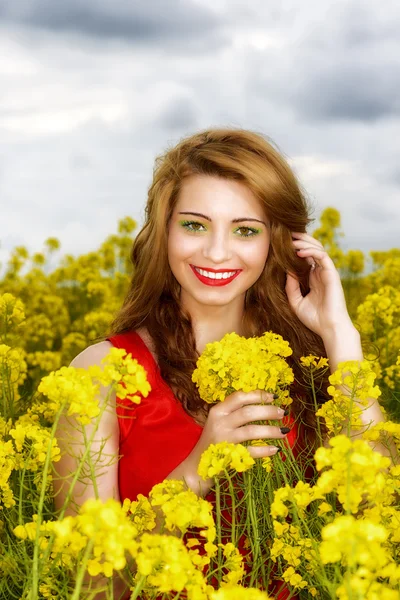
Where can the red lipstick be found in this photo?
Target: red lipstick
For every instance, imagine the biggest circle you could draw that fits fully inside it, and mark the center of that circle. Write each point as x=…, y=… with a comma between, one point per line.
x=215, y=282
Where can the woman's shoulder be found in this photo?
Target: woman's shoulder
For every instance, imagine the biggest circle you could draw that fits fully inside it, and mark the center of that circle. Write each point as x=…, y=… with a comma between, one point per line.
x=92, y=355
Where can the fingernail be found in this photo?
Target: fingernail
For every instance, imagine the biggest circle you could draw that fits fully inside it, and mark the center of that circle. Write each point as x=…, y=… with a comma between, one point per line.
x=278, y=450
x=285, y=429
x=275, y=396
x=285, y=414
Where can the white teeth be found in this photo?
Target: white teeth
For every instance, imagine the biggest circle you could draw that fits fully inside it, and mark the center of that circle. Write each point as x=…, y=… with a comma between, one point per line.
x=215, y=275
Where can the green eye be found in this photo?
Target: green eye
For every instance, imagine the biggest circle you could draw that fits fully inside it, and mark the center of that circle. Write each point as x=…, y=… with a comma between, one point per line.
x=252, y=231
x=193, y=226
x=189, y=225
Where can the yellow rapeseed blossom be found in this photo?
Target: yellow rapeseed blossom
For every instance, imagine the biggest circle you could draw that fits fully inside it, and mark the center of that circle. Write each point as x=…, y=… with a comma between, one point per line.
x=301, y=495
x=31, y=442
x=392, y=374
x=12, y=313
x=124, y=371
x=295, y=580
x=7, y=465
x=379, y=311
x=354, y=542
x=356, y=377
x=314, y=362
x=237, y=592
x=233, y=563
x=103, y=524
x=336, y=414
x=164, y=491
x=140, y=513
x=224, y=456
x=46, y=361
x=76, y=386
x=165, y=562
x=13, y=372
x=352, y=380
x=353, y=469
x=220, y=369
x=355, y=261
x=186, y=510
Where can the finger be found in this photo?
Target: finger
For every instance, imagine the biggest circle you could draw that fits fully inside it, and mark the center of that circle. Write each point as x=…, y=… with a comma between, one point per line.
x=321, y=257
x=263, y=451
x=238, y=399
x=257, y=432
x=307, y=244
x=306, y=237
x=293, y=291
x=254, y=412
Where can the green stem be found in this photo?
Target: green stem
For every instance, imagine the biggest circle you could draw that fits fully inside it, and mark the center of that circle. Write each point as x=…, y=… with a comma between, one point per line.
x=254, y=532
x=233, y=508
x=35, y=561
x=218, y=514
x=315, y=406
x=82, y=571
x=92, y=471
x=138, y=588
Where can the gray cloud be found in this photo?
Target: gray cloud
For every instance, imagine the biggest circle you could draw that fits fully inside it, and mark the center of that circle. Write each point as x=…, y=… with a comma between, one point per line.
x=180, y=115
x=176, y=21
x=341, y=65
x=355, y=92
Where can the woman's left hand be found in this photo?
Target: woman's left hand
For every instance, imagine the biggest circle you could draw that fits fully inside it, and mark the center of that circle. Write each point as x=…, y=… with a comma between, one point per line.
x=324, y=308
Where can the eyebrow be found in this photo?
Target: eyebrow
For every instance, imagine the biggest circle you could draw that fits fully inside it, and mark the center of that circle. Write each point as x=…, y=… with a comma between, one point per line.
x=233, y=220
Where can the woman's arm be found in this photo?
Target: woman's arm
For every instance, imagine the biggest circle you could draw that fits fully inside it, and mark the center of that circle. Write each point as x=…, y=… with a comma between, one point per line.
x=343, y=344
x=104, y=454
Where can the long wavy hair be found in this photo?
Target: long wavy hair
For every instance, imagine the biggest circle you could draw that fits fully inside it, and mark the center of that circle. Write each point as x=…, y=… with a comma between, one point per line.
x=153, y=298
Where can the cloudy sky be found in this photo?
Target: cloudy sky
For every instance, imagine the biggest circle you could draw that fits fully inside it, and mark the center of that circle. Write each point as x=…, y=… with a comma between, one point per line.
x=93, y=90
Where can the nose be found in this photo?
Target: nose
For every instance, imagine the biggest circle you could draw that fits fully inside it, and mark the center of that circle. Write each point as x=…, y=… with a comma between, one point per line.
x=217, y=248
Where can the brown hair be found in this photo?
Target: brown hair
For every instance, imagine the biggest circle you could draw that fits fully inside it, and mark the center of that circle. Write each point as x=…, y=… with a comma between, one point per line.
x=153, y=297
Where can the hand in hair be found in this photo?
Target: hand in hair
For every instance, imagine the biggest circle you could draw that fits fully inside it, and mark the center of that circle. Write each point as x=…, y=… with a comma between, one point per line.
x=323, y=309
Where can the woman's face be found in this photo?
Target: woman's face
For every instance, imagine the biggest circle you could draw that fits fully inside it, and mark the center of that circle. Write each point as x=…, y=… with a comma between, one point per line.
x=212, y=241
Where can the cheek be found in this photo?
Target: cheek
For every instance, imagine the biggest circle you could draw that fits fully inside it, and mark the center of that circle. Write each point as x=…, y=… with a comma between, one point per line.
x=180, y=246
x=257, y=255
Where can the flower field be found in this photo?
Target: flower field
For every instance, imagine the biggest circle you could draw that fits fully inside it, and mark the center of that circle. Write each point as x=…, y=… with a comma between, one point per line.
x=334, y=534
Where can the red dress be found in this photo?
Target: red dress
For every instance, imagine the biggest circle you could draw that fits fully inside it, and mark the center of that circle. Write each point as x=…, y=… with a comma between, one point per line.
x=158, y=434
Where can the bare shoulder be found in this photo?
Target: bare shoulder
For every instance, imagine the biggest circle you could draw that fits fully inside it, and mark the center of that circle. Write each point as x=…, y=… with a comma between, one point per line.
x=92, y=355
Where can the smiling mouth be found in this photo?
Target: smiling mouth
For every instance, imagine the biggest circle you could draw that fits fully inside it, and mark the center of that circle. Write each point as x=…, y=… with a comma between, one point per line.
x=216, y=274
x=215, y=278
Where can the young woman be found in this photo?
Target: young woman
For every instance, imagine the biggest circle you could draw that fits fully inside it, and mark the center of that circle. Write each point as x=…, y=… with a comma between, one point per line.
x=223, y=249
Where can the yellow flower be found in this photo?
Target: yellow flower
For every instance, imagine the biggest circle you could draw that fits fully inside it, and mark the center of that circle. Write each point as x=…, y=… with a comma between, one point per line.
x=233, y=563
x=354, y=542
x=166, y=563
x=75, y=386
x=237, y=592
x=106, y=526
x=164, y=491
x=220, y=369
x=12, y=312
x=354, y=470
x=140, y=514
x=296, y=580
x=7, y=465
x=224, y=456
x=314, y=362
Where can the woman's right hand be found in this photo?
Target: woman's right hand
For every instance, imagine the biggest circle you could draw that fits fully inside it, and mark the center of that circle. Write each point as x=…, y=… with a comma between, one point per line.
x=233, y=421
